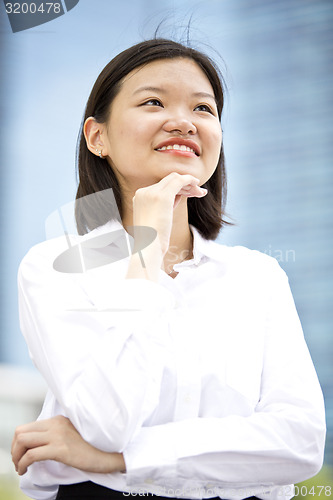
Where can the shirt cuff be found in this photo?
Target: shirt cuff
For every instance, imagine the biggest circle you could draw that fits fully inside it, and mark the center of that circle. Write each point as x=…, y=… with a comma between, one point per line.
x=139, y=470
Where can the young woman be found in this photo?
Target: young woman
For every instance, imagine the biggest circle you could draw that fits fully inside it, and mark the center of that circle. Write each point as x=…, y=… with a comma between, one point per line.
x=181, y=369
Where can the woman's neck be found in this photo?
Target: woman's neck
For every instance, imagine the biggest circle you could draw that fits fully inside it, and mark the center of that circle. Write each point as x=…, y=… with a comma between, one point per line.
x=181, y=244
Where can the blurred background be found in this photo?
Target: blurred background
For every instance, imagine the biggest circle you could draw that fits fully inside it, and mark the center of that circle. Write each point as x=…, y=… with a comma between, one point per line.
x=276, y=56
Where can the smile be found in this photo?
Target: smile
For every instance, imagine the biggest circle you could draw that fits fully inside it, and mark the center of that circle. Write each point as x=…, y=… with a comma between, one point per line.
x=179, y=146
x=176, y=147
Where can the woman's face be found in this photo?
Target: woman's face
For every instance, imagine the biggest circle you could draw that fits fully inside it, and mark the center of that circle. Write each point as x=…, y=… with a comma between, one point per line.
x=164, y=119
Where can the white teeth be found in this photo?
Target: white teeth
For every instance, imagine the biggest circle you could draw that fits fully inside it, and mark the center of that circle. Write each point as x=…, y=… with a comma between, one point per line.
x=178, y=147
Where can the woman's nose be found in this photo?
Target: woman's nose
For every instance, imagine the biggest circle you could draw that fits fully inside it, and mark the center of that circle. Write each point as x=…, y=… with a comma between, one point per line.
x=181, y=124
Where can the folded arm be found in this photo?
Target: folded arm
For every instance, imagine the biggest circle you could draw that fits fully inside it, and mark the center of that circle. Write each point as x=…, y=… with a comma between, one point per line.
x=102, y=363
x=281, y=442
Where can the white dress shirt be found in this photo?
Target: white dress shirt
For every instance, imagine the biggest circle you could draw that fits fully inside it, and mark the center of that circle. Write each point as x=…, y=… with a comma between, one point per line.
x=204, y=382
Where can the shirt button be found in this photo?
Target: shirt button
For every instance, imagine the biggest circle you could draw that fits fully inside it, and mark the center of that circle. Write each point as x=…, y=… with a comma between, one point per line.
x=149, y=481
x=187, y=399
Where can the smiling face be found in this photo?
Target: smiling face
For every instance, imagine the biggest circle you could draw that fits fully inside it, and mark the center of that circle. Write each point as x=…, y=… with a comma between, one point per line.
x=164, y=119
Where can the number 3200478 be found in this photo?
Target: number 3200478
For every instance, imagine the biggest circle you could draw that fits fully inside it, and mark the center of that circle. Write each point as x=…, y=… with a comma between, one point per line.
x=303, y=491
x=33, y=8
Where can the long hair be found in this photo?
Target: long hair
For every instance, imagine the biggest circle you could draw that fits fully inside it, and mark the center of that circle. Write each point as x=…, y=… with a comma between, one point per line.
x=95, y=174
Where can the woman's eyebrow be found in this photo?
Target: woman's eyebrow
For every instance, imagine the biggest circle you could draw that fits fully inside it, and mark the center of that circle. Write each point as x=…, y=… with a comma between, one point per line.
x=149, y=89
x=164, y=91
x=204, y=95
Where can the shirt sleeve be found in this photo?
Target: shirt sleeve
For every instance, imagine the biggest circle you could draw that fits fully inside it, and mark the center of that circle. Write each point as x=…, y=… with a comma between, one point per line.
x=98, y=340
x=281, y=442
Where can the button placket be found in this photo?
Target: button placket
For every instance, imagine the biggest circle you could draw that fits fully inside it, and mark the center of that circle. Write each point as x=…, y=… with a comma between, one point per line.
x=188, y=369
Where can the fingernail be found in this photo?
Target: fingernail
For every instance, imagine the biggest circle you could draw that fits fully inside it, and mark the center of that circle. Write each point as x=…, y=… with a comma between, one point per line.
x=204, y=190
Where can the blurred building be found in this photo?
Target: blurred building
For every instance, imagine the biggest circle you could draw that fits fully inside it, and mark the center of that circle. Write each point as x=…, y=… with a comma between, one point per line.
x=280, y=156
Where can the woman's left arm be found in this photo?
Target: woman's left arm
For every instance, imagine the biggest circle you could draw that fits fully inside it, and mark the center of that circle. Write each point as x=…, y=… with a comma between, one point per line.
x=281, y=442
x=57, y=439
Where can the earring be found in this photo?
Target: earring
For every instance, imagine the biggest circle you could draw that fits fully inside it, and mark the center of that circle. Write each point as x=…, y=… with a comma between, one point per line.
x=99, y=153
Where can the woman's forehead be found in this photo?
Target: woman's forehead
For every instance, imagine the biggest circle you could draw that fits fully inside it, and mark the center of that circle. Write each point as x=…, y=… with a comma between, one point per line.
x=164, y=72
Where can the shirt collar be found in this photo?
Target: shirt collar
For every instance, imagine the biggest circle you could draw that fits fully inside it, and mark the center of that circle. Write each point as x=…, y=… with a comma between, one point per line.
x=110, y=227
x=202, y=248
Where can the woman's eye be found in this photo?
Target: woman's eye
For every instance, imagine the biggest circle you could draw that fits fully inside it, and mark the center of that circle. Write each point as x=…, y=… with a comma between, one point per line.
x=203, y=107
x=153, y=102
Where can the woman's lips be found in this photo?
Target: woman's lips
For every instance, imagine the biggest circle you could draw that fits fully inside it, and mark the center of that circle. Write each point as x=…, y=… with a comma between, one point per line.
x=178, y=152
x=177, y=145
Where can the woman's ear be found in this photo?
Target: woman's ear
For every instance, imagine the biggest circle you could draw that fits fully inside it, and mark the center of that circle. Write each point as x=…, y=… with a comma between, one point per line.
x=94, y=134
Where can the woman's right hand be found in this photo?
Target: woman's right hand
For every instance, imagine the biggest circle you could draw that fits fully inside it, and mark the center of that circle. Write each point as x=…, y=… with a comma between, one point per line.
x=153, y=206
x=57, y=439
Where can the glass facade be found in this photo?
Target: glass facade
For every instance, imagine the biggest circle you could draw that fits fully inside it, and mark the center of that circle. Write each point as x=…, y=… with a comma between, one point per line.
x=279, y=157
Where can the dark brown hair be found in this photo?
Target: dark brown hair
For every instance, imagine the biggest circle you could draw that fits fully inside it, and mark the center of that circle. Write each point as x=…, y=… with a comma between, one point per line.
x=95, y=174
